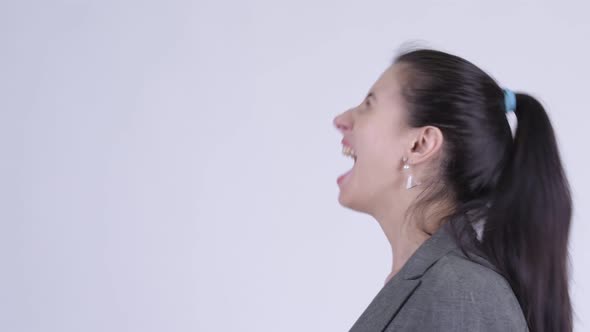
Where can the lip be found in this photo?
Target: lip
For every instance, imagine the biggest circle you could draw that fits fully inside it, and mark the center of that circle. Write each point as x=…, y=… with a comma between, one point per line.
x=346, y=143
x=344, y=176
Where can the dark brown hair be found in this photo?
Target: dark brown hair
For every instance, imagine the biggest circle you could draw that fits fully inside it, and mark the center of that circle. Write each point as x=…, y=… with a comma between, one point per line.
x=518, y=186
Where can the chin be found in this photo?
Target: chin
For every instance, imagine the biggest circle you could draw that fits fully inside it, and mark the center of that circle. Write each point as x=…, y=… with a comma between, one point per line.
x=343, y=199
x=347, y=200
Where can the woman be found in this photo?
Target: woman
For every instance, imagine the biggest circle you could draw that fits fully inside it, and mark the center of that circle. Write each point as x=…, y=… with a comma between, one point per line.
x=477, y=213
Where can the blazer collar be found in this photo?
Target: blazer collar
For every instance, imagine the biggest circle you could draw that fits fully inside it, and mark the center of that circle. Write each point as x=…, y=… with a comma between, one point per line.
x=431, y=250
x=394, y=293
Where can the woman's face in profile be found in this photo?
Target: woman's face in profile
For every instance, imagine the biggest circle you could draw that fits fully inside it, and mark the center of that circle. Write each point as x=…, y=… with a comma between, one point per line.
x=376, y=130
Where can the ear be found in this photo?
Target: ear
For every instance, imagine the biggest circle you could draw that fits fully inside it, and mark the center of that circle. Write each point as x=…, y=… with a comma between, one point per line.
x=426, y=144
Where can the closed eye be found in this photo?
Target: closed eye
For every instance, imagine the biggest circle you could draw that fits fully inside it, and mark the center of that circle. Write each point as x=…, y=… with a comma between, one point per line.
x=369, y=96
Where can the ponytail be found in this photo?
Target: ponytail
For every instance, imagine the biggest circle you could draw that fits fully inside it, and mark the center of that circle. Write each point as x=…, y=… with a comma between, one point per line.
x=527, y=226
x=516, y=186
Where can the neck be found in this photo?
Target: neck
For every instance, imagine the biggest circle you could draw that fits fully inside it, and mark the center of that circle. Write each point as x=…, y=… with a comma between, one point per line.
x=404, y=240
x=405, y=236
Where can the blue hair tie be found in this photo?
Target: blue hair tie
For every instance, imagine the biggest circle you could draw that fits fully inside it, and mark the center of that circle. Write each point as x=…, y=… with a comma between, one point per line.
x=509, y=100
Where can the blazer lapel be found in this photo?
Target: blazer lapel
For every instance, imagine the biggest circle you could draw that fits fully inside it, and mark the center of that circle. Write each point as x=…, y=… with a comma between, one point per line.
x=385, y=305
x=392, y=296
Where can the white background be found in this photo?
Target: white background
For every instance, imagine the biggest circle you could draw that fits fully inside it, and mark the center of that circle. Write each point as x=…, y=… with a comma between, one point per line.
x=171, y=165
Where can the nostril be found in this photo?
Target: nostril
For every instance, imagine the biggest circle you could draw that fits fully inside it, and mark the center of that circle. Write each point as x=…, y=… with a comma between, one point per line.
x=342, y=127
x=339, y=125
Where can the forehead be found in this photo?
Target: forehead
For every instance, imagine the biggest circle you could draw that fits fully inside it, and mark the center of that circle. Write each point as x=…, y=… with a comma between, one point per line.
x=387, y=85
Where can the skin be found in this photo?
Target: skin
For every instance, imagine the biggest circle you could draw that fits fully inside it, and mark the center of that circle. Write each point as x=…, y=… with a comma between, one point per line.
x=378, y=132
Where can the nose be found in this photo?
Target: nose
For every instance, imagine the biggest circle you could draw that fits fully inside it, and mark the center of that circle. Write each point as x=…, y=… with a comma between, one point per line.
x=341, y=122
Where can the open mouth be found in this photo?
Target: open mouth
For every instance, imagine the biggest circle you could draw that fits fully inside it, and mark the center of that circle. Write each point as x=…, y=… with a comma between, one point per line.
x=347, y=151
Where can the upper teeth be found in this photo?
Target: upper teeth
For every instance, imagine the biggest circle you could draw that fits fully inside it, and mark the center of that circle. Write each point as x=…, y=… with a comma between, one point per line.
x=348, y=151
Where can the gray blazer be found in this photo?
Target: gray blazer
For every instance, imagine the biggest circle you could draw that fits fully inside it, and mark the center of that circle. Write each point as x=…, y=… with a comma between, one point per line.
x=439, y=289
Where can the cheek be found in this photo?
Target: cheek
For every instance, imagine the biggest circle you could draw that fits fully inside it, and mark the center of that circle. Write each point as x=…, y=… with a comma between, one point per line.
x=382, y=144
x=384, y=159
x=382, y=155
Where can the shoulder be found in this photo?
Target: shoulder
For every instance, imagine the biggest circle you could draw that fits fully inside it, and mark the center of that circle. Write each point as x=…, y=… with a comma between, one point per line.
x=461, y=274
x=470, y=294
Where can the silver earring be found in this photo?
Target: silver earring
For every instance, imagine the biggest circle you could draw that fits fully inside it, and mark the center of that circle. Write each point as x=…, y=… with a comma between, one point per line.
x=410, y=182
